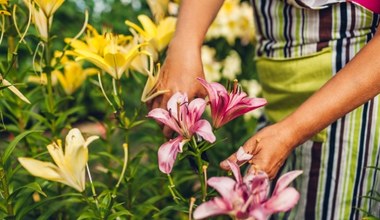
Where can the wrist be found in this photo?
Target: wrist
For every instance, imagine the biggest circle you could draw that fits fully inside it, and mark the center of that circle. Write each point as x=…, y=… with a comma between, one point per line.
x=186, y=42
x=179, y=49
x=296, y=130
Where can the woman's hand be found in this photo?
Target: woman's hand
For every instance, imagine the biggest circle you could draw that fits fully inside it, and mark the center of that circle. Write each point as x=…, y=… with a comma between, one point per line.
x=270, y=148
x=179, y=73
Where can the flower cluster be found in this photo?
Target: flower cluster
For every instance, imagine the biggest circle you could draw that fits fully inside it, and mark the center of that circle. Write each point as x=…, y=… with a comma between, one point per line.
x=242, y=198
x=185, y=118
x=109, y=52
x=214, y=69
x=157, y=36
x=234, y=21
x=247, y=197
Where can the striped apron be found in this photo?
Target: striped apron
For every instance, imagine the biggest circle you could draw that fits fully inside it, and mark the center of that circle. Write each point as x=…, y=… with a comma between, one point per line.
x=298, y=50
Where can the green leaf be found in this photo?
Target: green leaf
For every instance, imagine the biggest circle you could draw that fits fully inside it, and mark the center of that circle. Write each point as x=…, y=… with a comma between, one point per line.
x=22, y=213
x=88, y=215
x=57, y=206
x=13, y=144
x=170, y=208
x=120, y=213
x=34, y=187
x=136, y=123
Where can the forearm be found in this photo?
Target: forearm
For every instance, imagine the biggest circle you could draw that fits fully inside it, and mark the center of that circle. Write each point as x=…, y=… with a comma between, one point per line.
x=355, y=84
x=195, y=17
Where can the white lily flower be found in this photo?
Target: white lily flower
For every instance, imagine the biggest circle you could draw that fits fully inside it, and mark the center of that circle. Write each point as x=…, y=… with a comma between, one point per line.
x=69, y=167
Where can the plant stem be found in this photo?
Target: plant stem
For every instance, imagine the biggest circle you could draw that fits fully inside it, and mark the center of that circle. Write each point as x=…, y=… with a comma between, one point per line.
x=177, y=197
x=200, y=165
x=5, y=192
x=48, y=70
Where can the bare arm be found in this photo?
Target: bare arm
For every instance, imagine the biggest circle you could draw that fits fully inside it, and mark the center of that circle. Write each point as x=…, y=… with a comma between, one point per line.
x=183, y=60
x=355, y=84
x=194, y=19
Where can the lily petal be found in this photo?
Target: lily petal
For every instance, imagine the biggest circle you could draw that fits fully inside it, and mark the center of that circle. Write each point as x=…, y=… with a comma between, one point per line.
x=164, y=117
x=283, y=201
x=41, y=169
x=167, y=154
x=236, y=171
x=217, y=206
x=204, y=129
x=285, y=180
x=196, y=109
x=258, y=185
x=177, y=99
x=148, y=25
x=242, y=156
x=74, y=140
x=224, y=185
x=56, y=152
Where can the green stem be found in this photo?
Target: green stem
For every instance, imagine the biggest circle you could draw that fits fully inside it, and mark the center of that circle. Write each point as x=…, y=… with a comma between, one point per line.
x=94, y=195
x=114, y=191
x=5, y=189
x=177, y=197
x=200, y=165
x=48, y=74
x=48, y=70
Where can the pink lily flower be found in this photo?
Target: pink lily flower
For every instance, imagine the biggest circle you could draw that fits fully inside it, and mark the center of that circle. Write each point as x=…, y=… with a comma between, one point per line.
x=247, y=198
x=226, y=106
x=185, y=119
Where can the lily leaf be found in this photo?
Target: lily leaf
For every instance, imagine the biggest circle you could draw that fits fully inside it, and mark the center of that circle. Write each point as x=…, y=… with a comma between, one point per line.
x=13, y=144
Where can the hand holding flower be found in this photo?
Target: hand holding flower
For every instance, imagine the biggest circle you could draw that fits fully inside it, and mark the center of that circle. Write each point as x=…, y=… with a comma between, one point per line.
x=270, y=148
x=179, y=73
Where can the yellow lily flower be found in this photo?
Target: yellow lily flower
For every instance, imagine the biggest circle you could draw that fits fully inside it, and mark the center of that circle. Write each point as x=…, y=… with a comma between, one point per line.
x=158, y=8
x=3, y=2
x=40, y=20
x=93, y=41
x=159, y=35
x=69, y=167
x=114, y=58
x=49, y=6
x=150, y=89
x=73, y=76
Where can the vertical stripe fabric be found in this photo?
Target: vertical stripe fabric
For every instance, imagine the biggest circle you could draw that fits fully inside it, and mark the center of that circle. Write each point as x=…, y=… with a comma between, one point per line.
x=336, y=174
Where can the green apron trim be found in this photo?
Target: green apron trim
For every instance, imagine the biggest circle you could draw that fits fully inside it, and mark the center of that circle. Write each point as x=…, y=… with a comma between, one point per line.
x=288, y=82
